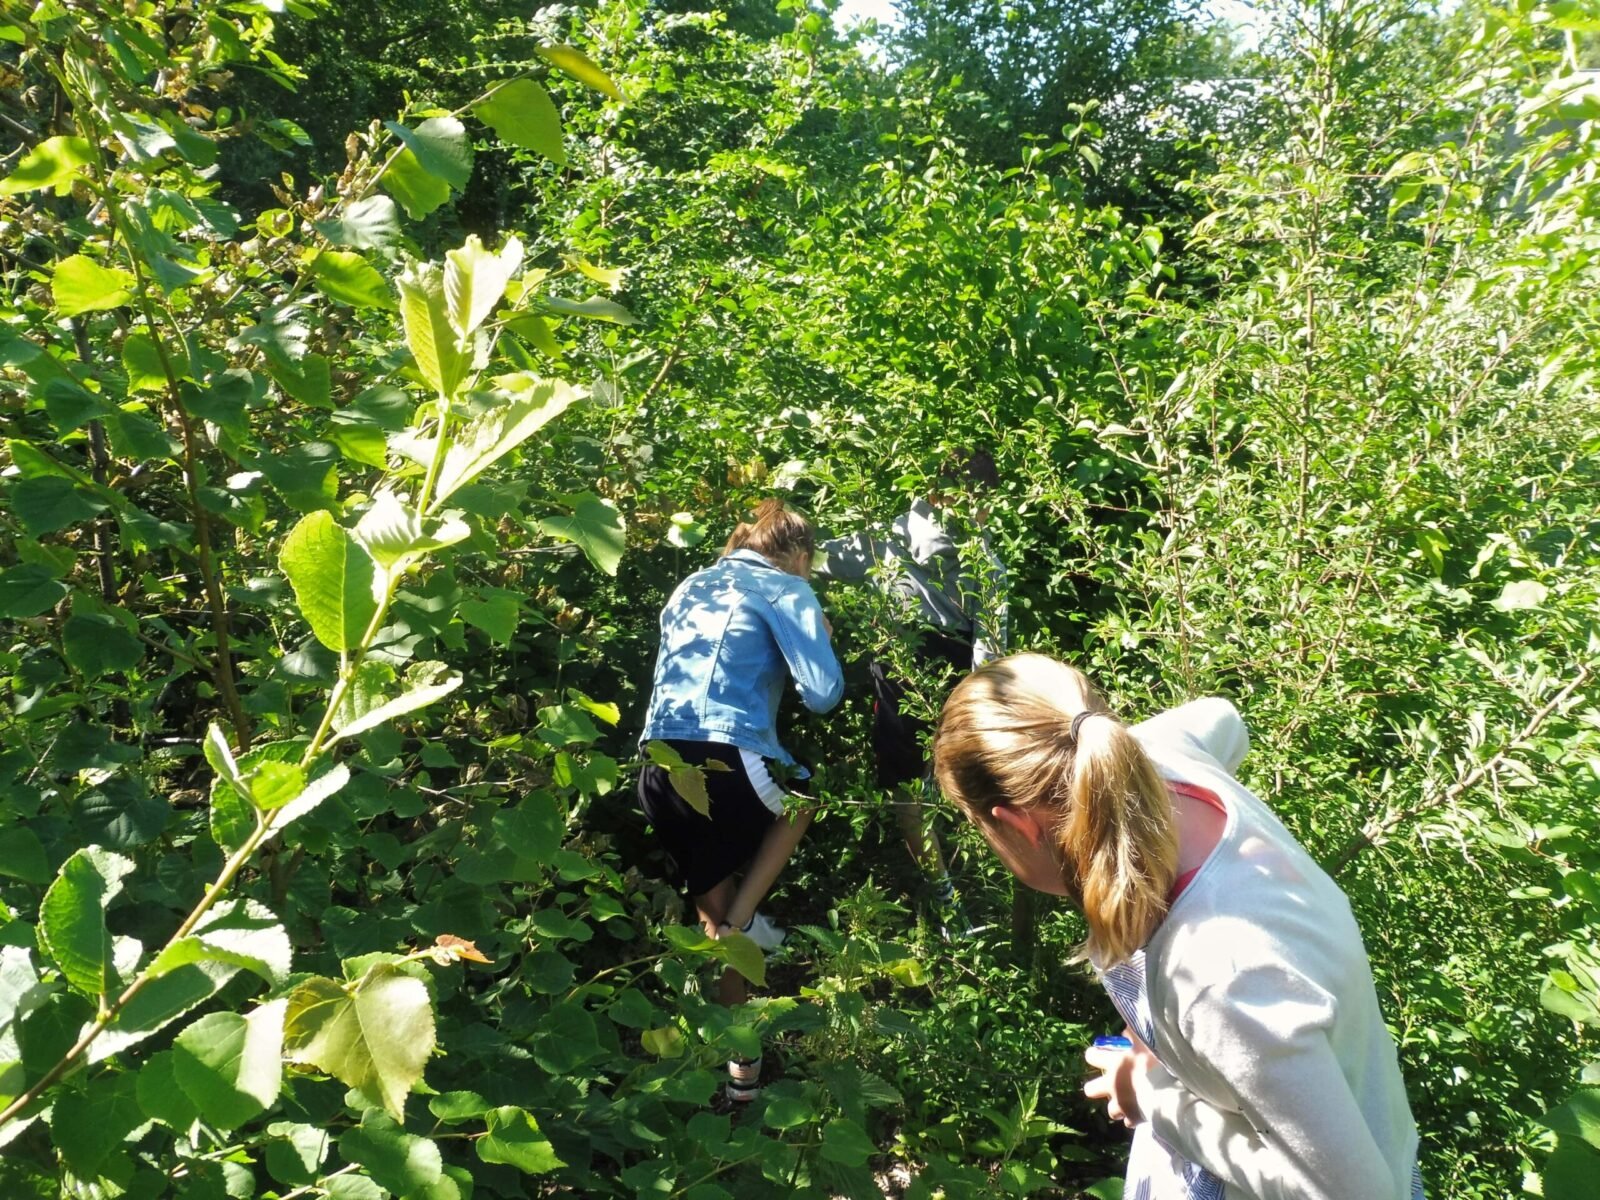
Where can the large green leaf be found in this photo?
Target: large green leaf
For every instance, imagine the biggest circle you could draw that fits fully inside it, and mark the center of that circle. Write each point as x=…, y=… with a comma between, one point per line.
x=396, y=536
x=595, y=526
x=231, y=1066
x=430, y=334
x=79, y=285
x=345, y=276
x=375, y=1035
x=522, y=113
x=845, y=1142
x=241, y=932
x=397, y=1160
x=46, y=503
x=514, y=1138
x=577, y=64
x=409, y=182
x=22, y=855
x=370, y=224
x=1578, y=1117
x=160, y=1003
x=28, y=589
x=441, y=146
x=334, y=580
x=87, y=1125
x=142, y=361
x=72, y=924
x=531, y=403
x=161, y=1097
x=97, y=643
x=475, y=279
x=55, y=163
x=423, y=687
x=595, y=307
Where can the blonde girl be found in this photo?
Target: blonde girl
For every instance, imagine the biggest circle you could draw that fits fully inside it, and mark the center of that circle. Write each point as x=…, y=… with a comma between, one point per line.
x=1260, y=1064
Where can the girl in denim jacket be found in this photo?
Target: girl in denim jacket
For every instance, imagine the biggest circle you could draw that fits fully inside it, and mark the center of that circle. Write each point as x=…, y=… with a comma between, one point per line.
x=733, y=635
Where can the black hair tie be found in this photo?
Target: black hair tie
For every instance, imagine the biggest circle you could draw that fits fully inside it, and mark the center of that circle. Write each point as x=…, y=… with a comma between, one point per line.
x=1077, y=721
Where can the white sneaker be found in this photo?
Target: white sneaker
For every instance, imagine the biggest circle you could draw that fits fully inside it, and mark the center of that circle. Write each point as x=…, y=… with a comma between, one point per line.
x=764, y=933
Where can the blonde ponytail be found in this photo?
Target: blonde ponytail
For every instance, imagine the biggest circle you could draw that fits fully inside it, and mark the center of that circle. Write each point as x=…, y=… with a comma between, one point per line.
x=1006, y=737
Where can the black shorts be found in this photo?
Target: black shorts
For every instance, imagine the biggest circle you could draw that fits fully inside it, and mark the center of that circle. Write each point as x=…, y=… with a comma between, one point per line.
x=897, y=748
x=706, y=850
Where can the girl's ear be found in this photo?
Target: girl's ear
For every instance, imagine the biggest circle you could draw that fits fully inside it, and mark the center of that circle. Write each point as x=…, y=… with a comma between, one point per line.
x=1021, y=821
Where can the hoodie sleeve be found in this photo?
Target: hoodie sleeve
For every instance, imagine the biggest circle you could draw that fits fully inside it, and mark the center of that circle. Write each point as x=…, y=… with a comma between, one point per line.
x=1210, y=727
x=849, y=559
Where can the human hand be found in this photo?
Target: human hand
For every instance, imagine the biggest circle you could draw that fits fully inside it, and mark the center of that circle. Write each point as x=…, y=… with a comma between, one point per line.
x=1119, y=1070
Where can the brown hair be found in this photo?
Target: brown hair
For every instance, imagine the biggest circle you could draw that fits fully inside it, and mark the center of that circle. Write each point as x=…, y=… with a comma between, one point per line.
x=776, y=533
x=1006, y=738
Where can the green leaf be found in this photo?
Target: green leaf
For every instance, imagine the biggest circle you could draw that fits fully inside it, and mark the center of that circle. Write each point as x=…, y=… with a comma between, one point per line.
x=441, y=146
x=161, y=1097
x=97, y=644
x=54, y=163
x=426, y=682
x=666, y=1042
x=323, y=787
x=397, y=1160
x=72, y=926
x=475, y=280
x=121, y=813
x=376, y=1037
x=522, y=113
x=29, y=589
x=159, y=1004
x=689, y=782
x=843, y=1141
x=595, y=526
x=1578, y=1117
x=370, y=224
x=345, y=276
x=243, y=933
x=453, y=1107
x=22, y=855
x=430, y=335
x=231, y=1067
x=609, y=713
x=46, y=503
x=1521, y=593
x=743, y=955
x=577, y=64
x=566, y=725
x=491, y=435
x=142, y=361
x=79, y=285
x=1572, y=1172
x=296, y=1154
x=87, y=1126
x=409, y=182
x=514, y=1138
x=595, y=308
x=334, y=580
x=396, y=536
x=495, y=611
x=534, y=828
x=274, y=784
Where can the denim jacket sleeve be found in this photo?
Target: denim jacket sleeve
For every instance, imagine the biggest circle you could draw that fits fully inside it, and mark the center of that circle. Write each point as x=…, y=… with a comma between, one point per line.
x=797, y=626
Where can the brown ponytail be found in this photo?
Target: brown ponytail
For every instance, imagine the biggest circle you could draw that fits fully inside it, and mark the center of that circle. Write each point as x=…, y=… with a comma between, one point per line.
x=1006, y=738
x=777, y=533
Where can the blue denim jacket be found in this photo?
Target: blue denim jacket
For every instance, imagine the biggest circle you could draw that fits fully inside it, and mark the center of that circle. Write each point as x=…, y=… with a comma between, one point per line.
x=729, y=635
